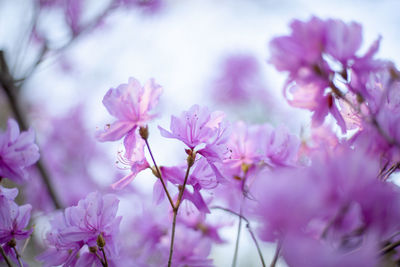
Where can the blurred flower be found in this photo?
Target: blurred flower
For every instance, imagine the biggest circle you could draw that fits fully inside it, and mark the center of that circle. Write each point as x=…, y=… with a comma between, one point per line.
x=13, y=221
x=239, y=80
x=93, y=222
x=17, y=152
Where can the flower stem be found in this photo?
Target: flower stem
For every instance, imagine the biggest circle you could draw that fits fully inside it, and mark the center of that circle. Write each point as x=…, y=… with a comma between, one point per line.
x=237, y=239
x=190, y=162
x=105, y=257
x=276, y=255
x=389, y=247
x=5, y=257
x=100, y=259
x=248, y=228
x=18, y=257
x=159, y=174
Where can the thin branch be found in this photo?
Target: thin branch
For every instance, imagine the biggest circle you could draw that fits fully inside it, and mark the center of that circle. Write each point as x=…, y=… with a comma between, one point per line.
x=239, y=230
x=100, y=258
x=248, y=228
x=389, y=248
x=276, y=255
x=18, y=257
x=190, y=162
x=159, y=175
x=105, y=257
x=3, y=253
x=171, y=247
x=7, y=83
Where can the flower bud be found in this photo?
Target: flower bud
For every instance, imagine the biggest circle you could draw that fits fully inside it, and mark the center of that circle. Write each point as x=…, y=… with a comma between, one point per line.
x=191, y=158
x=100, y=241
x=144, y=132
x=12, y=243
x=155, y=172
x=93, y=249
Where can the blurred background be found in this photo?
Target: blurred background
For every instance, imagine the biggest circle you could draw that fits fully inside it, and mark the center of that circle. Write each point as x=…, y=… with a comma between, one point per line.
x=205, y=52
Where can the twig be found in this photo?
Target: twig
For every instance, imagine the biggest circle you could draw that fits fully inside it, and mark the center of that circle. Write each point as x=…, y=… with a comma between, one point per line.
x=105, y=257
x=7, y=83
x=144, y=133
x=276, y=255
x=239, y=230
x=5, y=257
x=248, y=228
x=389, y=248
x=18, y=256
x=190, y=162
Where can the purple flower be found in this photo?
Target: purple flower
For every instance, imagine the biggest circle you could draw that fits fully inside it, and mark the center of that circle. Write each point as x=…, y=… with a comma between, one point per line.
x=93, y=222
x=304, y=45
x=17, y=152
x=335, y=206
x=203, y=131
x=311, y=97
x=134, y=158
x=239, y=81
x=13, y=222
x=131, y=105
x=320, y=52
x=13, y=218
x=281, y=147
x=342, y=40
x=202, y=177
x=67, y=150
x=191, y=249
x=246, y=151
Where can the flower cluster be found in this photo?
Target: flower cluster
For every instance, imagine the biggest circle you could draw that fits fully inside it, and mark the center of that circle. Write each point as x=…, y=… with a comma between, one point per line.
x=332, y=199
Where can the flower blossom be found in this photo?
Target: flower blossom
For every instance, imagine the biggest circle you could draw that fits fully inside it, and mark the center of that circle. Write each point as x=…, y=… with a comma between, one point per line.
x=202, y=177
x=320, y=51
x=240, y=80
x=67, y=150
x=131, y=104
x=13, y=221
x=202, y=131
x=337, y=206
x=92, y=223
x=17, y=152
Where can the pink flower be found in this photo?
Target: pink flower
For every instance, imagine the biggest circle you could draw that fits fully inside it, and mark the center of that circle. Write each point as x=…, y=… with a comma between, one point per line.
x=240, y=80
x=342, y=40
x=320, y=51
x=94, y=218
x=312, y=98
x=280, y=147
x=304, y=45
x=200, y=130
x=131, y=104
x=17, y=152
x=323, y=207
x=13, y=220
x=202, y=177
x=134, y=158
